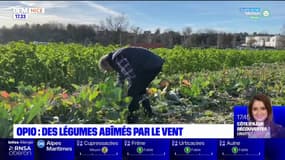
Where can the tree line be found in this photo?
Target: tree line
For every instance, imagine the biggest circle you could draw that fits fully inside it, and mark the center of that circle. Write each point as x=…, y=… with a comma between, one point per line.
x=116, y=30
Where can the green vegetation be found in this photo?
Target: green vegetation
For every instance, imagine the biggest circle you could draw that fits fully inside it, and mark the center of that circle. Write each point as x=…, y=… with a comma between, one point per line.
x=61, y=83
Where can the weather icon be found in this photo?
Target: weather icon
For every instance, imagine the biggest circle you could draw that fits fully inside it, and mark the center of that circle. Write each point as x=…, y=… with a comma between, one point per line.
x=41, y=143
x=266, y=13
x=104, y=150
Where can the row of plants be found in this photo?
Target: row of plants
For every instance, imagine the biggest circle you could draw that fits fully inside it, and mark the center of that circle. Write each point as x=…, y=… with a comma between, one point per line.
x=209, y=96
x=59, y=64
x=92, y=103
x=196, y=97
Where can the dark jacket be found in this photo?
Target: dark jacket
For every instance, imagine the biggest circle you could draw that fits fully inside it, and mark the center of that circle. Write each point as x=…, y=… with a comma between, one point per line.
x=132, y=61
x=277, y=131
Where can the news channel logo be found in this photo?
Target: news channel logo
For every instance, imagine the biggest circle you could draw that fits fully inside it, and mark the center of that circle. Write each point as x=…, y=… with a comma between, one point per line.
x=40, y=144
x=255, y=13
x=23, y=13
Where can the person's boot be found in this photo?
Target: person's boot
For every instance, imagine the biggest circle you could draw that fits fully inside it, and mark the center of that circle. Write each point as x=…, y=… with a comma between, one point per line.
x=131, y=119
x=147, y=107
x=133, y=107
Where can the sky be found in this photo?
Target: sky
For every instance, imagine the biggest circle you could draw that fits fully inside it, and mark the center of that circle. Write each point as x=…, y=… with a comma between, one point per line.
x=149, y=15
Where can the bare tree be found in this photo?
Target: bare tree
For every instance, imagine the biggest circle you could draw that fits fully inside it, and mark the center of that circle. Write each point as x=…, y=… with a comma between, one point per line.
x=187, y=31
x=186, y=36
x=281, y=42
x=220, y=41
x=117, y=24
x=234, y=41
x=157, y=36
x=136, y=31
x=147, y=37
x=170, y=38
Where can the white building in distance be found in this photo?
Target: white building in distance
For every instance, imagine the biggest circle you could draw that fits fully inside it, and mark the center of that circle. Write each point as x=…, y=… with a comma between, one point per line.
x=276, y=41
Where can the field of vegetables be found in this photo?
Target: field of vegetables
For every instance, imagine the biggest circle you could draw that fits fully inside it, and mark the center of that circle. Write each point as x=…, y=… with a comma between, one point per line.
x=61, y=83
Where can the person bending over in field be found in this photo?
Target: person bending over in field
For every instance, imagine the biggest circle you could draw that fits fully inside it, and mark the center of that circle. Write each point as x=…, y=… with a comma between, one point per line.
x=139, y=67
